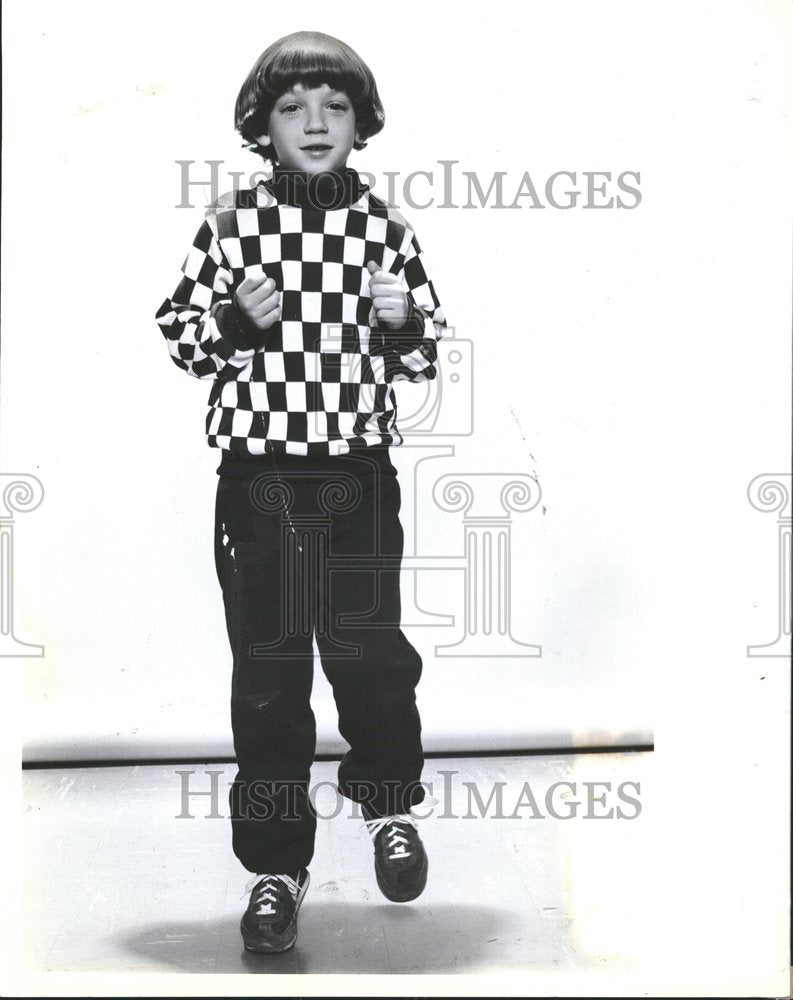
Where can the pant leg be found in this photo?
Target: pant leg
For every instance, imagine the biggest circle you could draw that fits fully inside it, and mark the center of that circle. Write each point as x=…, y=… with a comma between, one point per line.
x=272, y=819
x=374, y=684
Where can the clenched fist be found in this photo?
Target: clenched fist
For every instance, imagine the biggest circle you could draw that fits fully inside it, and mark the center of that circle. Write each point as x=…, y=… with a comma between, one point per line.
x=259, y=301
x=388, y=297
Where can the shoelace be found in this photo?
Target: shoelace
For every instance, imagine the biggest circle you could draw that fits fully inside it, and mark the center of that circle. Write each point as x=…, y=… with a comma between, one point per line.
x=397, y=841
x=265, y=895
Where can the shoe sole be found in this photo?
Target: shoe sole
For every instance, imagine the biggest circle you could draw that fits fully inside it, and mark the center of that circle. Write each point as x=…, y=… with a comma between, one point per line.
x=284, y=941
x=404, y=897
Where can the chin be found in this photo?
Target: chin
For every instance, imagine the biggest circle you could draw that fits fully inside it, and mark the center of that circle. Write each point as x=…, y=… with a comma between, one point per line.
x=323, y=168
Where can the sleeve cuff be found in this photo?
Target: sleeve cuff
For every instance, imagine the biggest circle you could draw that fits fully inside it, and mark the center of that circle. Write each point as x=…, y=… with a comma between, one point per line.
x=236, y=330
x=410, y=334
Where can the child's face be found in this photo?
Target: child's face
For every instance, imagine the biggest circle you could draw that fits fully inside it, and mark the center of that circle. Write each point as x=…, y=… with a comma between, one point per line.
x=312, y=129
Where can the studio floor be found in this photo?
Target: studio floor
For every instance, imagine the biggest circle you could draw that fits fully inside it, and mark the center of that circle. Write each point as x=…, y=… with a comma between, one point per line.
x=129, y=870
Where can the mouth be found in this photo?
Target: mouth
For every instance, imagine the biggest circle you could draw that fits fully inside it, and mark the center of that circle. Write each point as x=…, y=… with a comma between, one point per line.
x=317, y=147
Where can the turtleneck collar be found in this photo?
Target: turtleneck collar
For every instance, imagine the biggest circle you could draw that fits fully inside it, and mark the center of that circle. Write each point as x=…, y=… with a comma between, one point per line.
x=322, y=192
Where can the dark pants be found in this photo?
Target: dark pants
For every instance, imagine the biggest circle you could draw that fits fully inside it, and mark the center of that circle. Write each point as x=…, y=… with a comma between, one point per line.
x=311, y=548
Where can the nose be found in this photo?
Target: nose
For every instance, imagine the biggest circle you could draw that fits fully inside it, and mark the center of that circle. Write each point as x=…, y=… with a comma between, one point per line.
x=315, y=121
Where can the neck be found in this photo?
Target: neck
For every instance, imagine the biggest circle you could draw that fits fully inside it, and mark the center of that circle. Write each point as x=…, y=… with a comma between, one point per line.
x=321, y=191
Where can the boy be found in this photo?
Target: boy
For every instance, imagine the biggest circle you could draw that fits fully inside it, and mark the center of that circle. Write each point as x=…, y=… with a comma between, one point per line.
x=303, y=300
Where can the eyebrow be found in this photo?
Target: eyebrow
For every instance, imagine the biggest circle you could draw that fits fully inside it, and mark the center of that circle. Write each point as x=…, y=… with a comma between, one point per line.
x=291, y=93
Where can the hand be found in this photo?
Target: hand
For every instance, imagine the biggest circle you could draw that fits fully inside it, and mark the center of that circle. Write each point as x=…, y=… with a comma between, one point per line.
x=388, y=297
x=259, y=301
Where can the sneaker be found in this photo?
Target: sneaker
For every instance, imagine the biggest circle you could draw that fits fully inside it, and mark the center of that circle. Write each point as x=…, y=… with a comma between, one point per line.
x=269, y=924
x=400, y=861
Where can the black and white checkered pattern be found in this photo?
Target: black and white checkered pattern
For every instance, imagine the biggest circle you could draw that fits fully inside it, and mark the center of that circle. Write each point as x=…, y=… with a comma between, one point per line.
x=321, y=383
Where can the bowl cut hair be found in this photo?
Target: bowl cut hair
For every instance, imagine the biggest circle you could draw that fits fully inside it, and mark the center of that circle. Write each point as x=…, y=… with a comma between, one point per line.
x=311, y=58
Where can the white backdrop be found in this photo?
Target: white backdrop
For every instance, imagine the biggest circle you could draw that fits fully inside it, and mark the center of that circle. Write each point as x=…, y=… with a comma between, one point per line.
x=635, y=361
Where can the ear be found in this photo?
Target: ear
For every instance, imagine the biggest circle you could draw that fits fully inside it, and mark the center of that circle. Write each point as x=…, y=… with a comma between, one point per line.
x=263, y=140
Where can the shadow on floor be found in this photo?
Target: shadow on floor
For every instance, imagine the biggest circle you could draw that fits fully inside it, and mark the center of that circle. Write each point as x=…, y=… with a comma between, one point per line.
x=344, y=938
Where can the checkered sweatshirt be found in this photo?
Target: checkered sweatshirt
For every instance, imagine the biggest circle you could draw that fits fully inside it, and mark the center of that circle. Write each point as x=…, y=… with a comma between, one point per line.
x=318, y=382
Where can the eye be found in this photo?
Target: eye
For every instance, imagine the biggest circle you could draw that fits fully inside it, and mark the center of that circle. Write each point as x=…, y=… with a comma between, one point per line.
x=289, y=108
x=338, y=106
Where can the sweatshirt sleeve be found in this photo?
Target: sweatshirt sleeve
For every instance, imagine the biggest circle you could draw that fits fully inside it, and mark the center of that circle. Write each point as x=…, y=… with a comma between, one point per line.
x=207, y=335
x=413, y=350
